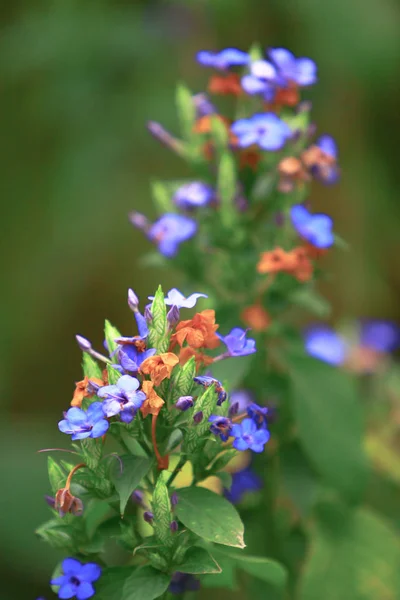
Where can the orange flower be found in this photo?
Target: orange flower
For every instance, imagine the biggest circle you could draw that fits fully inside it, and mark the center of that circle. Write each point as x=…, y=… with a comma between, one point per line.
x=304, y=268
x=291, y=171
x=230, y=84
x=153, y=403
x=314, y=252
x=203, y=125
x=159, y=367
x=256, y=317
x=198, y=332
x=202, y=360
x=81, y=390
x=296, y=263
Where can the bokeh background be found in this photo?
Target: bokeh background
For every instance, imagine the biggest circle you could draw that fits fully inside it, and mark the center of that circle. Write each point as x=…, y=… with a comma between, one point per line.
x=78, y=81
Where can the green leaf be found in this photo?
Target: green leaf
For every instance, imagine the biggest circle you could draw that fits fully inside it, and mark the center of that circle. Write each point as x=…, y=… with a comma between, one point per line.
x=198, y=561
x=113, y=375
x=162, y=197
x=186, y=111
x=145, y=584
x=111, y=583
x=329, y=420
x=232, y=370
x=226, y=479
x=210, y=516
x=57, y=477
x=90, y=367
x=206, y=403
x=110, y=334
x=226, y=188
x=223, y=460
x=263, y=568
x=220, y=134
x=298, y=478
x=310, y=300
x=182, y=380
x=354, y=554
x=133, y=471
x=56, y=535
x=158, y=328
x=225, y=579
x=92, y=450
x=161, y=506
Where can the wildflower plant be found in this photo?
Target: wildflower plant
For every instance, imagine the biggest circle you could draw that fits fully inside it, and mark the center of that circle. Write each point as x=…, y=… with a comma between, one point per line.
x=247, y=400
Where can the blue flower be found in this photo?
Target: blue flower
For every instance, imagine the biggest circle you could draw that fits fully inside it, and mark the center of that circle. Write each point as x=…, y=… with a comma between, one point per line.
x=382, y=336
x=176, y=298
x=122, y=398
x=132, y=352
x=229, y=57
x=242, y=482
x=316, y=229
x=170, y=231
x=248, y=437
x=220, y=426
x=237, y=343
x=77, y=579
x=258, y=414
x=302, y=71
x=261, y=80
x=242, y=398
x=183, y=582
x=206, y=381
x=193, y=195
x=321, y=160
x=325, y=344
x=267, y=130
x=83, y=424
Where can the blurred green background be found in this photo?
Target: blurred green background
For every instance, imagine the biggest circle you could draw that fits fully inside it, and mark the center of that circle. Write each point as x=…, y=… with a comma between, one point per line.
x=78, y=81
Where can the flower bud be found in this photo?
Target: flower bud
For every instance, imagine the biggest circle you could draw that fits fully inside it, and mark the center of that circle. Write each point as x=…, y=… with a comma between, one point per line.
x=233, y=409
x=184, y=403
x=203, y=105
x=148, y=314
x=133, y=300
x=65, y=503
x=198, y=417
x=50, y=500
x=137, y=497
x=173, y=316
x=83, y=343
x=174, y=526
x=148, y=516
x=174, y=499
x=139, y=220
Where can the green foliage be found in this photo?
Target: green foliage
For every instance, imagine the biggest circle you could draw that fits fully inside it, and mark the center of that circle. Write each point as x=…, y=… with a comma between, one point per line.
x=113, y=375
x=182, y=380
x=57, y=477
x=362, y=551
x=145, y=582
x=110, y=334
x=127, y=479
x=210, y=516
x=162, y=197
x=90, y=367
x=162, y=512
x=206, y=403
x=226, y=188
x=92, y=451
x=186, y=111
x=198, y=561
x=329, y=420
x=158, y=328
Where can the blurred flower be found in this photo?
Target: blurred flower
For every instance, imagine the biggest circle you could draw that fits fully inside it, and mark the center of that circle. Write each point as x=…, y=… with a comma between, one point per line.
x=183, y=582
x=206, y=381
x=83, y=424
x=302, y=71
x=256, y=317
x=122, y=398
x=258, y=414
x=229, y=57
x=153, y=403
x=237, y=344
x=248, y=437
x=382, y=336
x=168, y=232
x=176, y=298
x=220, y=426
x=132, y=352
x=85, y=389
x=242, y=482
x=261, y=79
x=316, y=229
x=295, y=262
x=324, y=343
x=198, y=332
x=321, y=160
x=203, y=105
x=184, y=403
x=291, y=171
x=159, y=367
x=225, y=85
x=267, y=130
x=77, y=579
x=241, y=397
x=193, y=195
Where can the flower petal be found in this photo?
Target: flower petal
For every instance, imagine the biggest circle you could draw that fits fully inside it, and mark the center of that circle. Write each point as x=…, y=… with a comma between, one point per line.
x=85, y=591
x=76, y=416
x=71, y=566
x=90, y=572
x=240, y=444
x=100, y=428
x=67, y=591
x=128, y=384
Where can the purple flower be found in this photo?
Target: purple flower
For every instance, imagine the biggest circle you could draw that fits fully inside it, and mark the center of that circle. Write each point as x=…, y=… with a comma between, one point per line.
x=83, y=343
x=258, y=414
x=193, y=195
x=206, y=381
x=267, y=130
x=220, y=426
x=171, y=230
x=176, y=298
x=77, y=579
x=302, y=71
x=184, y=403
x=237, y=343
x=382, y=336
x=183, y=582
x=325, y=169
x=262, y=80
x=242, y=482
x=325, y=344
x=83, y=424
x=132, y=352
x=316, y=229
x=203, y=105
x=248, y=437
x=148, y=516
x=229, y=57
x=241, y=397
x=122, y=398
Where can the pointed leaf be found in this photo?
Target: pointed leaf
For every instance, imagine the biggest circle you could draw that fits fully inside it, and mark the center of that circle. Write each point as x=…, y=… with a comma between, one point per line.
x=182, y=380
x=134, y=468
x=162, y=197
x=198, y=561
x=161, y=506
x=226, y=189
x=158, y=328
x=113, y=375
x=57, y=476
x=186, y=111
x=90, y=367
x=210, y=516
x=266, y=569
x=110, y=334
x=145, y=583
